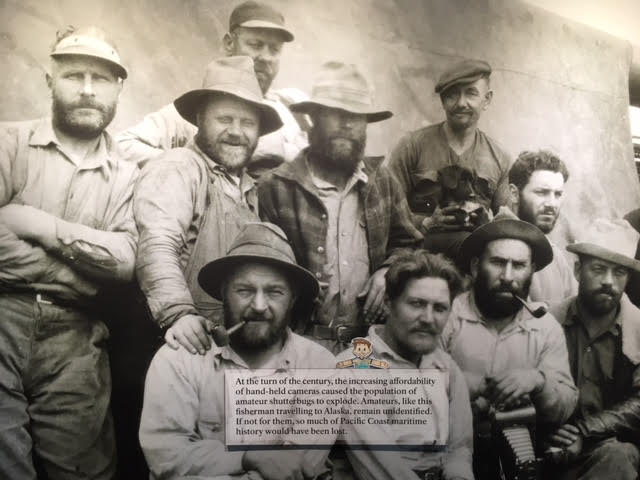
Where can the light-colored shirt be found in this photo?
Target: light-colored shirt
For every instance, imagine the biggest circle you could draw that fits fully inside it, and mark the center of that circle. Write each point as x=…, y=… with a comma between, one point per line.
x=555, y=282
x=525, y=343
x=182, y=428
x=347, y=267
x=455, y=461
x=176, y=201
x=92, y=203
x=166, y=129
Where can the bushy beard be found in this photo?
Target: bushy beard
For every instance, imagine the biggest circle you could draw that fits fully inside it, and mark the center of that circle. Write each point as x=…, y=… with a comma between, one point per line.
x=340, y=153
x=597, y=305
x=86, y=126
x=497, y=306
x=232, y=153
x=255, y=336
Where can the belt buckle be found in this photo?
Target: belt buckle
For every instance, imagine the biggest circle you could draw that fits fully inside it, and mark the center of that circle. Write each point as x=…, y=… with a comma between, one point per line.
x=40, y=299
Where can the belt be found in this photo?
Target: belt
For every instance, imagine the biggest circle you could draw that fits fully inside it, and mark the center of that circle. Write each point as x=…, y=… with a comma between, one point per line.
x=341, y=333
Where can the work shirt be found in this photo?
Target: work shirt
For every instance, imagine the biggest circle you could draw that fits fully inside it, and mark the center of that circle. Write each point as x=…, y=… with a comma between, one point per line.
x=347, y=266
x=182, y=428
x=605, y=365
x=555, y=282
x=92, y=203
x=188, y=209
x=422, y=153
x=525, y=343
x=455, y=461
x=166, y=129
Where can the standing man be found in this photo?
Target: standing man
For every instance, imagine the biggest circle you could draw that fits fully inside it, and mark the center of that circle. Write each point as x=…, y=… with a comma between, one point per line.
x=342, y=212
x=419, y=292
x=507, y=355
x=602, y=328
x=190, y=206
x=182, y=431
x=66, y=229
x=258, y=31
x=423, y=160
x=536, y=182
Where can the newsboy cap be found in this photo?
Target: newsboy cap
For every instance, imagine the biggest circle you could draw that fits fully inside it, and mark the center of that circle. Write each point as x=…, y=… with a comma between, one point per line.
x=254, y=14
x=506, y=225
x=466, y=71
x=232, y=76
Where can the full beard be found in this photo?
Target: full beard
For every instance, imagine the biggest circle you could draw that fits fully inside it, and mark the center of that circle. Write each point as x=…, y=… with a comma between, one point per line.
x=233, y=157
x=494, y=305
x=597, y=304
x=259, y=333
x=68, y=119
x=339, y=153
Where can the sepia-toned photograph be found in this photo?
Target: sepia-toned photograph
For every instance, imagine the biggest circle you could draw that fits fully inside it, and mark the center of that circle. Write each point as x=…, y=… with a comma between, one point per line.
x=320, y=239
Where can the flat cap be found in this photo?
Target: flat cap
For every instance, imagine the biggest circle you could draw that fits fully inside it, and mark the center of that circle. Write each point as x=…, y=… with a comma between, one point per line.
x=466, y=71
x=252, y=14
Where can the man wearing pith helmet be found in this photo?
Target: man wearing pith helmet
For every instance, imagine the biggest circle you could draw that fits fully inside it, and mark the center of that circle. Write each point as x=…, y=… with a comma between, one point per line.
x=343, y=212
x=257, y=30
x=602, y=328
x=191, y=205
x=182, y=430
x=66, y=231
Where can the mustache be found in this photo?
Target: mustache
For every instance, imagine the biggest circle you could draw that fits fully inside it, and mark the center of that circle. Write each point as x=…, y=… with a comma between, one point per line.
x=549, y=211
x=462, y=110
x=606, y=289
x=235, y=141
x=88, y=103
x=256, y=317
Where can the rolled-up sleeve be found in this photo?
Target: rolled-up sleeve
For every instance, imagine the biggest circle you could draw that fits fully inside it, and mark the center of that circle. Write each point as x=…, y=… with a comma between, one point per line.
x=458, y=461
x=557, y=399
x=169, y=438
x=164, y=208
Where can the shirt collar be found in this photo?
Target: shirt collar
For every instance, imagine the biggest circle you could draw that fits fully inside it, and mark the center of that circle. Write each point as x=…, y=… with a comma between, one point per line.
x=359, y=175
x=468, y=310
x=283, y=359
x=434, y=359
x=44, y=135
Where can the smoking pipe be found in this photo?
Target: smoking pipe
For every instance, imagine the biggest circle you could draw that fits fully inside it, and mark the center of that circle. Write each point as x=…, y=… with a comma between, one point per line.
x=221, y=335
x=537, y=313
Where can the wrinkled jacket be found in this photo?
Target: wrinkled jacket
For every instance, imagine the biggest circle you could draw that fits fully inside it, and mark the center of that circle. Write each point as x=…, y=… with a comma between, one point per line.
x=288, y=198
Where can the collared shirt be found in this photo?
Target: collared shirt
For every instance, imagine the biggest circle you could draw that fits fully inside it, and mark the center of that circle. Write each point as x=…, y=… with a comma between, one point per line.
x=182, y=428
x=422, y=153
x=289, y=199
x=92, y=203
x=166, y=129
x=456, y=460
x=606, y=368
x=175, y=200
x=555, y=282
x=347, y=266
x=527, y=342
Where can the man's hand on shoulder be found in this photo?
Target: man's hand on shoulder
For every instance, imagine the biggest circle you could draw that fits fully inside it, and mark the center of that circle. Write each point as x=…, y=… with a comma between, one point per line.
x=190, y=332
x=29, y=223
x=373, y=295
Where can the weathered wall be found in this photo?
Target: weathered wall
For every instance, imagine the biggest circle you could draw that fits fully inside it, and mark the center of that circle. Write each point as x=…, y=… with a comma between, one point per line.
x=557, y=84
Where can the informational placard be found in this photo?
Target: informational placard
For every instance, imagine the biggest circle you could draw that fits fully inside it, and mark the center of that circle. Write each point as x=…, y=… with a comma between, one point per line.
x=316, y=408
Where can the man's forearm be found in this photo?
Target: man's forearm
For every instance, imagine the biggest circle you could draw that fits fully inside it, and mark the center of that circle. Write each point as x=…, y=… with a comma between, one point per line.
x=623, y=419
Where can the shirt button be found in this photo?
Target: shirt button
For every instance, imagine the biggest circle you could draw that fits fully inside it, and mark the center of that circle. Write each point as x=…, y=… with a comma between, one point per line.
x=318, y=275
x=323, y=216
x=320, y=249
x=588, y=350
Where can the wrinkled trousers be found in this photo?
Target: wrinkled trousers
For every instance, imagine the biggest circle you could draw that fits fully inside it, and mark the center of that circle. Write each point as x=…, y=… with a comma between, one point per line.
x=55, y=386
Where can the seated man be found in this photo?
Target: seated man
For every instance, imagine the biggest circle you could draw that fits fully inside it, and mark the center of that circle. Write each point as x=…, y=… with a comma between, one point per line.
x=419, y=292
x=182, y=430
x=603, y=337
x=505, y=352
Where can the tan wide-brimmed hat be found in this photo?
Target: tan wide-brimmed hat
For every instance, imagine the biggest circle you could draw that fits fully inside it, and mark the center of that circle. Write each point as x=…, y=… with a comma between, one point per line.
x=232, y=76
x=90, y=42
x=506, y=225
x=253, y=14
x=261, y=243
x=340, y=85
x=611, y=240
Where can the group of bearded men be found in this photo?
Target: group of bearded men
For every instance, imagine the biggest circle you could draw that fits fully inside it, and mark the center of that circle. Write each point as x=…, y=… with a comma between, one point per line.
x=237, y=204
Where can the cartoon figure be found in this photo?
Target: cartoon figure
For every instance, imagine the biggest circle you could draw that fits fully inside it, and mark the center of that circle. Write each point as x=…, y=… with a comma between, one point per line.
x=362, y=349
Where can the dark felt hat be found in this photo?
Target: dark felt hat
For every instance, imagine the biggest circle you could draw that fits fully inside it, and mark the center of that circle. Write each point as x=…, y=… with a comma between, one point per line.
x=340, y=85
x=262, y=243
x=253, y=14
x=506, y=225
x=232, y=76
x=466, y=71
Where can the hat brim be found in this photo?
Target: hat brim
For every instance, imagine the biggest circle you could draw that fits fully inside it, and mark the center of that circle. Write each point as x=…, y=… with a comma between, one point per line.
x=212, y=275
x=441, y=88
x=309, y=106
x=188, y=103
x=597, y=251
x=119, y=69
x=287, y=36
x=474, y=244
